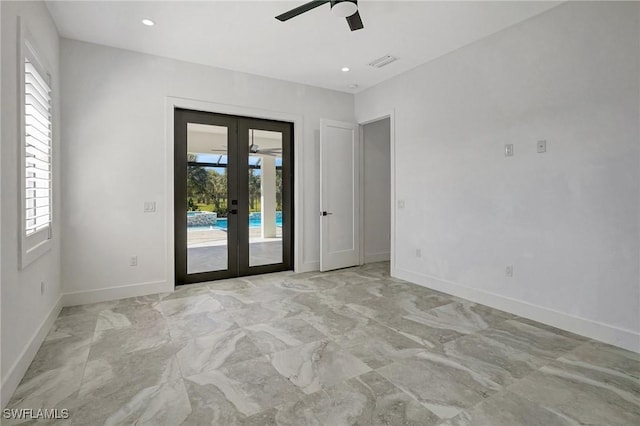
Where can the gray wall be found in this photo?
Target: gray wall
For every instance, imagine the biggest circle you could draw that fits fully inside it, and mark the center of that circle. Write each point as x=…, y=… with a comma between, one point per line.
x=566, y=220
x=377, y=191
x=115, y=125
x=26, y=313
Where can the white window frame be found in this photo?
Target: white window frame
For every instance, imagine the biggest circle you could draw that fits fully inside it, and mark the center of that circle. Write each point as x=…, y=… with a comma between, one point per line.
x=35, y=245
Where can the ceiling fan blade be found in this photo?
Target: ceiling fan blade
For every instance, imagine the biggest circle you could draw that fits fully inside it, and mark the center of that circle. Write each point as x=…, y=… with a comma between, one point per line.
x=300, y=10
x=355, y=22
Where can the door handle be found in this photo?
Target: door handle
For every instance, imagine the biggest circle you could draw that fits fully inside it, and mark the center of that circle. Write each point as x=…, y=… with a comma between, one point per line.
x=325, y=213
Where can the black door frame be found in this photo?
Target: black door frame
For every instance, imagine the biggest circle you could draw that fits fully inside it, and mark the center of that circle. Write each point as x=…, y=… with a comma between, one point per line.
x=237, y=177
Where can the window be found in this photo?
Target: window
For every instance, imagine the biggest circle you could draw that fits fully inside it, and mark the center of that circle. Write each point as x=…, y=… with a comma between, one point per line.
x=36, y=157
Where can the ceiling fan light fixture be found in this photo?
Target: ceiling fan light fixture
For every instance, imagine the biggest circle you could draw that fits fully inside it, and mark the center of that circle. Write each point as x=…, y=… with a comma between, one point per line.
x=344, y=9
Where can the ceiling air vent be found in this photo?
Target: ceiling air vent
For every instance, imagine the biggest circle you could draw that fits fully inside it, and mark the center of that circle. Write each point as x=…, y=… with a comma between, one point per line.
x=381, y=62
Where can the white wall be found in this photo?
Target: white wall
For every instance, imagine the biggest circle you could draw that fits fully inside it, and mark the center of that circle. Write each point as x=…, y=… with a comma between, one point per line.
x=568, y=219
x=376, y=190
x=114, y=128
x=26, y=314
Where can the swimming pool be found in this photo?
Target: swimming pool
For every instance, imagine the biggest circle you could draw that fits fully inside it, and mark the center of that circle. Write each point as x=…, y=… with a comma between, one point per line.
x=255, y=221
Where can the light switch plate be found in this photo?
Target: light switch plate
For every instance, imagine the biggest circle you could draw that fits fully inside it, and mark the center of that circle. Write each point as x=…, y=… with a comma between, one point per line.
x=508, y=150
x=149, y=206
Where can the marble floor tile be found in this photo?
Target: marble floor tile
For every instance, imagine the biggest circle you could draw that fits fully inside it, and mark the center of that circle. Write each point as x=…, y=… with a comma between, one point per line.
x=215, y=351
x=584, y=392
x=56, y=353
x=128, y=315
x=261, y=313
x=114, y=342
x=240, y=390
x=88, y=309
x=210, y=406
x=164, y=404
x=347, y=347
x=138, y=370
x=428, y=336
x=295, y=285
x=446, y=322
x=317, y=365
x=229, y=301
x=328, y=315
x=508, y=409
x=365, y=400
x=189, y=305
x=597, y=355
x=461, y=317
x=231, y=285
x=443, y=385
x=282, y=334
x=78, y=325
x=500, y=363
x=377, y=345
x=185, y=327
x=53, y=388
x=96, y=308
x=185, y=291
x=398, y=304
x=352, y=293
x=538, y=341
x=552, y=329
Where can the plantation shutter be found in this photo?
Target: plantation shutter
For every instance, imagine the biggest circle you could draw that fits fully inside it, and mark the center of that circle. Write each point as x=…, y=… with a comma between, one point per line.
x=37, y=150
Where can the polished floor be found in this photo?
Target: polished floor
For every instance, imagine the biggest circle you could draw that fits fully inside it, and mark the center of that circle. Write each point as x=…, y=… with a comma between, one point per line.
x=352, y=347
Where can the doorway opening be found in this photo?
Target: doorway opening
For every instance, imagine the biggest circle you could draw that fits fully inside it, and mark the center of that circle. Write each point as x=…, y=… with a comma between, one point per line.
x=233, y=196
x=375, y=190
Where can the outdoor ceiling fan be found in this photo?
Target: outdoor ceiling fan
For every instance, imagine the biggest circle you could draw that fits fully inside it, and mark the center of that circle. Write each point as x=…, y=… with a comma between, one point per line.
x=255, y=149
x=342, y=8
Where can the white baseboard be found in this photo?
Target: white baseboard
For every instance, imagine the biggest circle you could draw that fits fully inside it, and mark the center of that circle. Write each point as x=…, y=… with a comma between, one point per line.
x=309, y=266
x=616, y=336
x=19, y=368
x=114, y=293
x=377, y=257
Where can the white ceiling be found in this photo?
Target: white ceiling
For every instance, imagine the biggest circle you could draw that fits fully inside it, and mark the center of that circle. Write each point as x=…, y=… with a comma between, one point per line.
x=310, y=49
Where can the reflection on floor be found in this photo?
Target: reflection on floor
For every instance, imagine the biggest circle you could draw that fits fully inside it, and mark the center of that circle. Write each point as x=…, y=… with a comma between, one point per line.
x=347, y=347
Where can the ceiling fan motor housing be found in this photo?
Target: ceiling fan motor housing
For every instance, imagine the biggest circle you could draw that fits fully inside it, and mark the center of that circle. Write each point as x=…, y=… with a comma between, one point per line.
x=344, y=8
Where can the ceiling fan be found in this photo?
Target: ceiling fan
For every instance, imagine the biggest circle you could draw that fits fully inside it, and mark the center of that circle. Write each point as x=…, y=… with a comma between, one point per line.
x=342, y=8
x=255, y=149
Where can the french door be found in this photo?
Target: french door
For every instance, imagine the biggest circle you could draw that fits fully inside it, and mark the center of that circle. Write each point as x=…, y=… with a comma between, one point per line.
x=233, y=196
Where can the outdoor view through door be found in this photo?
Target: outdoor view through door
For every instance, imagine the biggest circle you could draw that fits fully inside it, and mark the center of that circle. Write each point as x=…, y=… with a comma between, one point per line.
x=233, y=196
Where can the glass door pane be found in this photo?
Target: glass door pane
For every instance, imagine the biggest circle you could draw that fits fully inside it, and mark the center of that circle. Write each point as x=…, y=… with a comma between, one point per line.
x=207, y=194
x=265, y=197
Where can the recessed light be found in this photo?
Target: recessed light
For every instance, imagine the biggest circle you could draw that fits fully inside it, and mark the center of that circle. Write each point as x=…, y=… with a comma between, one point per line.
x=148, y=22
x=345, y=69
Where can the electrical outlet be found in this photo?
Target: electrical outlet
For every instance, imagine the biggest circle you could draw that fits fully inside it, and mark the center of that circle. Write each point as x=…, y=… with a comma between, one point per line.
x=508, y=150
x=542, y=147
x=401, y=204
x=418, y=252
x=133, y=261
x=508, y=271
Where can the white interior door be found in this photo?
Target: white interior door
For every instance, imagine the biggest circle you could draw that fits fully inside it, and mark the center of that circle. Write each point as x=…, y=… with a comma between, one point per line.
x=339, y=195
